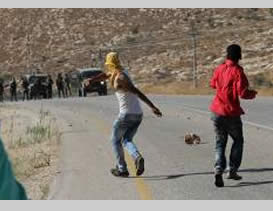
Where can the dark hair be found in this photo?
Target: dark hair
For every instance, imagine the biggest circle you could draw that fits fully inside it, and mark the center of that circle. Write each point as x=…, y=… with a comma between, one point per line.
x=234, y=52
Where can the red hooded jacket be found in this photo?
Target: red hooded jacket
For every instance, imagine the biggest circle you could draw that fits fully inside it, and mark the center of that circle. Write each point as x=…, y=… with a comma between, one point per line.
x=230, y=83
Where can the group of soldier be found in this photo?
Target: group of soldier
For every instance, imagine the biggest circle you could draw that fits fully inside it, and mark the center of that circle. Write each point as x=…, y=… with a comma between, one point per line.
x=63, y=85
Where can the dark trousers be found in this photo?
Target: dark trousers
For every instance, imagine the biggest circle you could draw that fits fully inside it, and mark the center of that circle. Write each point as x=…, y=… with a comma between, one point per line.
x=224, y=127
x=13, y=95
x=26, y=94
x=61, y=90
x=49, y=93
x=68, y=91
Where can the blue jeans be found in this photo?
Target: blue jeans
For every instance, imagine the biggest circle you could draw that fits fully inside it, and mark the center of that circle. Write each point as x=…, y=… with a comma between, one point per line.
x=224, y=126
x=124, y=129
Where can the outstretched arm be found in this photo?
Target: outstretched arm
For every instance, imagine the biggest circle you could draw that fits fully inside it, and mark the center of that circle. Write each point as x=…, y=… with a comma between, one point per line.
x=100, y=77
x=125, y=84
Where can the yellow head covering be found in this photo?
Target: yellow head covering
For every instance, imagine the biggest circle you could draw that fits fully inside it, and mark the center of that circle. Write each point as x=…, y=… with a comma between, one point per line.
x=112, y=62
x=113, y=67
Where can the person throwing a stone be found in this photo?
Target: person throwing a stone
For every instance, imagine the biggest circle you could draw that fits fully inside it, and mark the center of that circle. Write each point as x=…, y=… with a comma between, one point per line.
x=130, y=115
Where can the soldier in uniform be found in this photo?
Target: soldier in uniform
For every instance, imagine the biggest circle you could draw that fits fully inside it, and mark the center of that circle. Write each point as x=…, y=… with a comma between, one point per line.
x=60, y=85
x=49, y=86
x=67, y=85
x=25, y=86
x=13, y=89
x=1, y=90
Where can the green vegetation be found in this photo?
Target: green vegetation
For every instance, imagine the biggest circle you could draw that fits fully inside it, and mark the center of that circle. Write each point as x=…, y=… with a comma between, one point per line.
x=33, y=150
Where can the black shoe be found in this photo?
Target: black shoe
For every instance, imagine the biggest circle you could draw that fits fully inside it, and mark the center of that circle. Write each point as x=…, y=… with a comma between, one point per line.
x=116, y=172
x=139, y=165
x=219, y=181
x=233, y=176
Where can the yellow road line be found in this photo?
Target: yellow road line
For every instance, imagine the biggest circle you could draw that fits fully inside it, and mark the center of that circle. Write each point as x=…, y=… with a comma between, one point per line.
x=142, y=188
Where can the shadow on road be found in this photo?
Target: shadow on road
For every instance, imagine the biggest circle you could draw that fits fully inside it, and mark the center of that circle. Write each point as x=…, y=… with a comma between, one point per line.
x=243, y=184
x=171, y=176
x=254, y=170
x=175, y=176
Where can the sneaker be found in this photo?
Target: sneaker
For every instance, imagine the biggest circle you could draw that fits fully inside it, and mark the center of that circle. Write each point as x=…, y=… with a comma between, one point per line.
x=139, y=165
x=219, y=181
x=233, y=176
x=116, y=172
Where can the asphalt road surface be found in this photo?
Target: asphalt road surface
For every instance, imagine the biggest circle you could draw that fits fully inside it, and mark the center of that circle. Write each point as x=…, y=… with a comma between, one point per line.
x=173, y=170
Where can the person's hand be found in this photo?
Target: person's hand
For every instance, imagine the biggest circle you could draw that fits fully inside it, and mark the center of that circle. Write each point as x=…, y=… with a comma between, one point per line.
x=85, y=82
x=157, y=112
x=91, y=80
x=88, y=81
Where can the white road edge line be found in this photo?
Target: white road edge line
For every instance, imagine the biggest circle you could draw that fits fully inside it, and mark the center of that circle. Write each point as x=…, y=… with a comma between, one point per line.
x=245, y=121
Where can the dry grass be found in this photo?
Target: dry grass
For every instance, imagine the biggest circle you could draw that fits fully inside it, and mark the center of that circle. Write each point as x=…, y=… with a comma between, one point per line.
x=187, y=88
x=33, y=149
x=265, y=91
x=177, y=88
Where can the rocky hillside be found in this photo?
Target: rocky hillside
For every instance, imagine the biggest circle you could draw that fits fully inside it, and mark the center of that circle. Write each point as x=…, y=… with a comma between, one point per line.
x=155, y=43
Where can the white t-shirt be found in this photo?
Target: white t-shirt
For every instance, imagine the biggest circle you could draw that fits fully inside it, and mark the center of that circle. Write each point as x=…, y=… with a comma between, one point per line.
x=128, y=102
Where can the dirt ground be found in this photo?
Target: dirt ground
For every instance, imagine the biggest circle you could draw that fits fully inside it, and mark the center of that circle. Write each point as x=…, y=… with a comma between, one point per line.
x=186, y=88
x=32, y=141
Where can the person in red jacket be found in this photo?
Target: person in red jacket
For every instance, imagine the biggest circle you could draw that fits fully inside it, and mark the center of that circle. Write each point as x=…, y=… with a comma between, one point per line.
x=230, y=83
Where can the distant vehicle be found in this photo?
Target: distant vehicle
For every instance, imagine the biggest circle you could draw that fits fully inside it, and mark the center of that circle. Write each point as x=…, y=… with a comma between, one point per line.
x=37, y=85
x=84, y=88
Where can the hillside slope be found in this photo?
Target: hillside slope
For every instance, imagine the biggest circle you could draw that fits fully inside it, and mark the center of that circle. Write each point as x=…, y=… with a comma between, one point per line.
x=155, y=43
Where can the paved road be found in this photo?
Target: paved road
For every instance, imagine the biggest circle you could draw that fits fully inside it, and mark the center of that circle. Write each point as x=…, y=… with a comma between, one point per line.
x=174, y=170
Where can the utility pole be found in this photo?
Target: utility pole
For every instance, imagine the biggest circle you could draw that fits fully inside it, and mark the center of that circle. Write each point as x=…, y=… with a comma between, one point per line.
x=128, y=64
x=193, y=35
x=28, y=52
x=27, y=23
x=100, y=59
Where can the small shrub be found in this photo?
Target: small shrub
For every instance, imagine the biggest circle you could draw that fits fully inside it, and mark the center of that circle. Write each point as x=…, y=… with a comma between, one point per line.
x=261, y=80
x=135, y=29
x=41, y=159
x=45, y=190
x=252, y=14
x=130, y=39
x=271, y=11
x=38, y=133
x=211, y=22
